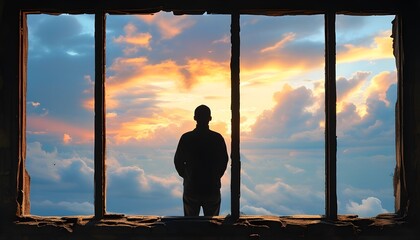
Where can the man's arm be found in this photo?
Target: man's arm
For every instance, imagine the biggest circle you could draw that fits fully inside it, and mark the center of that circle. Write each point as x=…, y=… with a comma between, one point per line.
x=179, y=159
x=224, y=157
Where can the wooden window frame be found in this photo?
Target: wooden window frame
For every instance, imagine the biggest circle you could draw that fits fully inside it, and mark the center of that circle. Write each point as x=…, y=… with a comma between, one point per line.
x=180, y=7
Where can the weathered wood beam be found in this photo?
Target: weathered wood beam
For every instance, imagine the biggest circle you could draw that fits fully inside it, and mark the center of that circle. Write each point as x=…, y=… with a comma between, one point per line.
x=235, y=107
x=215, y=6
x=100, y=135
x=24, y=188
x=330, y=118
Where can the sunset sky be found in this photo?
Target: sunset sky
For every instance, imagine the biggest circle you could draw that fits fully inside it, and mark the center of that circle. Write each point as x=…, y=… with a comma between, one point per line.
x=160, y=67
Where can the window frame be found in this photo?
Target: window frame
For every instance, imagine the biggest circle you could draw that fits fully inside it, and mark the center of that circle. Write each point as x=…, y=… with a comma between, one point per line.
x=112, y=7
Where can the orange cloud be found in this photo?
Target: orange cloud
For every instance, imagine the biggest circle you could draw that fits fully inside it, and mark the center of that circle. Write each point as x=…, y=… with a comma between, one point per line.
x=349, y=87
x=131, y=71
x=360, y=88
x=380, y=84
x=134, y=38
x=111, y=115
x=288, y=37
x=89, y=104
x=381, y=48
x=134, y=75
x=150, y=96
x=207, y=70
x=166, y=122
x=350, y=90
x=68, y=132
x=66, y=138
x=168, y=25
x=224, y=39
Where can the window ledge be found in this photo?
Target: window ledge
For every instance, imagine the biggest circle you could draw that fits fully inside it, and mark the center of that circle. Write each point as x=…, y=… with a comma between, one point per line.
x=115, y=226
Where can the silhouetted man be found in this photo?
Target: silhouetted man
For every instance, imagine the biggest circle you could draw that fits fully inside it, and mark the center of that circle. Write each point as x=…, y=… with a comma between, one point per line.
x=201, y=160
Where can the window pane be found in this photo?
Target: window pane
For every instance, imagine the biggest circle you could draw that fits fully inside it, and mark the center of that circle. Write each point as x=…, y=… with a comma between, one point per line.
x=60, y=114
x=282, y=111
x=159, y=68
x=366, y=98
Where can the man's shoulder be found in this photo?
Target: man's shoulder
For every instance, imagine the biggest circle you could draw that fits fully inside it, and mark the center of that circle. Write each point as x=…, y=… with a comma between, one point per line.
x=196, y=133
x=186, y=134
x=216, y=134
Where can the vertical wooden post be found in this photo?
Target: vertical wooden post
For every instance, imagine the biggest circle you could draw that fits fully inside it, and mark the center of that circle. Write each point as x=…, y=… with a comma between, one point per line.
x=99, y=114
x=330, y=119
x=235, y=107
x=24, y=179
x=400, y=183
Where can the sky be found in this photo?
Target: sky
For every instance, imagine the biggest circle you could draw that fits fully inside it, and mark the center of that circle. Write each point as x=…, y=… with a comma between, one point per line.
x=160, y=67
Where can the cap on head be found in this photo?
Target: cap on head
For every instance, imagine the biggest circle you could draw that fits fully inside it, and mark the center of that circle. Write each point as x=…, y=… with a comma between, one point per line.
x=202, y=114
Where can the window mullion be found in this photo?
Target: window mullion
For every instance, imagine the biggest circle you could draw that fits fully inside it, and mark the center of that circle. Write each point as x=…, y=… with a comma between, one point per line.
x=99, y=114
x=235, y=107
x=330, y=118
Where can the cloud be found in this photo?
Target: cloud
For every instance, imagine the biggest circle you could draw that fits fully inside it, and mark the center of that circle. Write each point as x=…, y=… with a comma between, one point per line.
x=64, y=185
x=365, y=105
x=53, y=167
x=290, y=114
x=146, y=112
x=60, y=129
x=379, y=85
x=300, y=50
x=62, y=208
x=280, y=44
x=131, y=190
x=225, y=40
x=348, y=87
x=280, y=198
x=251, y=210
x=128, y=73
x=36, y=109
x=168, y=25
x=369, y=207
x=294, y=170
x=302, y=54
x=150, y=99
x=353, y=192
x=380, y=48
x=34, y=104
x=142, y=102
x=133, y=39
x=61, y=183
x=132, y=175
x=369, y=119
x=347, y=118
x=63, y=35
x=148, y=130
x=57, y=30
x=66, y=138
x=291, y=124
x=40, y=163
x=277, y=186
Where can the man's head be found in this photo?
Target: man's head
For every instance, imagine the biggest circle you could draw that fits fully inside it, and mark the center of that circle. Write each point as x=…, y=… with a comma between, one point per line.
x=202, y=114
